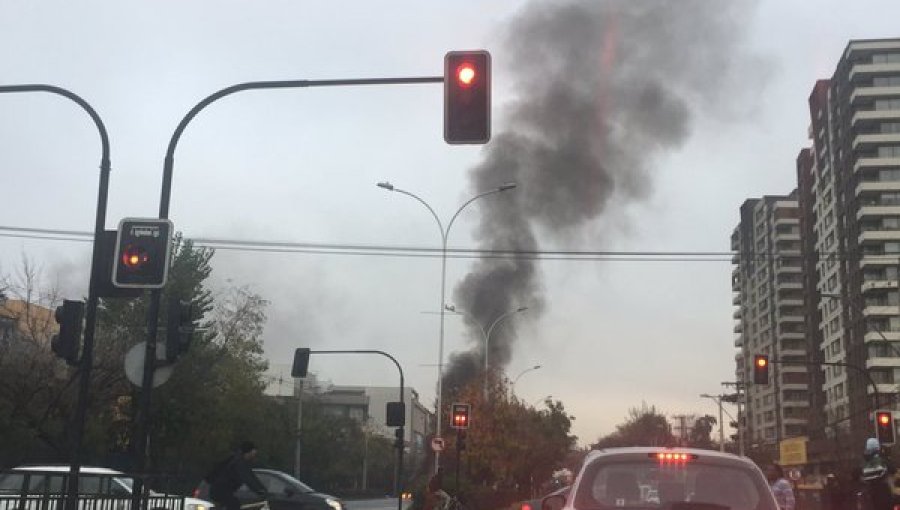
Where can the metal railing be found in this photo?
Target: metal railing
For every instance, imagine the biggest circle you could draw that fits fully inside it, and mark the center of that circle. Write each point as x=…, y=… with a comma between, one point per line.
x=22, y=489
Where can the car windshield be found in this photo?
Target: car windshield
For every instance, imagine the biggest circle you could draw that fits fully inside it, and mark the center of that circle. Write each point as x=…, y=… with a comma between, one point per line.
x=650, y=484
x=297, y=484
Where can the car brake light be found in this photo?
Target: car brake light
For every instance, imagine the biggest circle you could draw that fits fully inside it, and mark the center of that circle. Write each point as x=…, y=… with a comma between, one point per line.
x=672, y=456
x=526, y=506
x=196, y=493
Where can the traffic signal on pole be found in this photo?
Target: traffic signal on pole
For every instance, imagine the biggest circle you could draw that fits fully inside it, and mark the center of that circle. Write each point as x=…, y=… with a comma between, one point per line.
x=460, y=441
x=301, y=362
x=143, y=250
x=884, y=427
x=179, y=328
x=467, y=97
x=760, y=369
x=459, y=416
x=66, y=343
x=395, y=414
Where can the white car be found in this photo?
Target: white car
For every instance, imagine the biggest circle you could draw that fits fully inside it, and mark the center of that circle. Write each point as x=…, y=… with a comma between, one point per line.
x=671, y=479
x=93, y=483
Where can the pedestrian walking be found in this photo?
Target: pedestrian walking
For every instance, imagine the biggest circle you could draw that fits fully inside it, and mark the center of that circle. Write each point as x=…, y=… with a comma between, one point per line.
x=781, y=487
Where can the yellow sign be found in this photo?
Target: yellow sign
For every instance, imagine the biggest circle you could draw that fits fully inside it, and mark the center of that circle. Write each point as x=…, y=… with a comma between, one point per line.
x=793, y=451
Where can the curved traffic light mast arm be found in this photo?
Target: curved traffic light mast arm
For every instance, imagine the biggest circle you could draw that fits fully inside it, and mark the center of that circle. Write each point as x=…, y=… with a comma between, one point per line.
x=87, y=355
x=401, y=434
x=859, y=369
x=169, y=162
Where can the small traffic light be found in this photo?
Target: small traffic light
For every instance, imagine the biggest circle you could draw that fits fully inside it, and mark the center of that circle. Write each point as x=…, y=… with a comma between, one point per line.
x=301, y=362
x=65, y=344
x=395, y=414
x=459, y=416
x=467, y=97
x=460, y=440
x=143, y=250
x=884, y=427
x=179, y=328
x=760, y=369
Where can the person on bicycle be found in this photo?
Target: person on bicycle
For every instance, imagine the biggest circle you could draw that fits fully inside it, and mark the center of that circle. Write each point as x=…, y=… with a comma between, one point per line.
x=435, y=497
x=876, y=472
x=230, y=474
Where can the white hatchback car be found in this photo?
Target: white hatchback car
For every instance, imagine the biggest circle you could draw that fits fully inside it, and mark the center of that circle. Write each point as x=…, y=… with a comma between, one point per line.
x=665, y=479
x=93, y=482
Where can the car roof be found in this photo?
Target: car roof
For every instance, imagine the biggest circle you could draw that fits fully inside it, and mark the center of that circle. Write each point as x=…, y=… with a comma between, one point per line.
x=90, y=470
x=644, y=452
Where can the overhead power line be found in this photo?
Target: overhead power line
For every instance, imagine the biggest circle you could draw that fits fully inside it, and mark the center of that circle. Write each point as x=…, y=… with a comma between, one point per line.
x=268, y=246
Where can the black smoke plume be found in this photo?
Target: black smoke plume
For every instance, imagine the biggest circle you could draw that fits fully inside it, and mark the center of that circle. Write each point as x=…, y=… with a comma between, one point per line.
x=603, y=89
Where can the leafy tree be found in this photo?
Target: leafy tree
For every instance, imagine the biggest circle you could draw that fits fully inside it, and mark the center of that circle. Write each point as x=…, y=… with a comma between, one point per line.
x=644, y=426
x=701, y=432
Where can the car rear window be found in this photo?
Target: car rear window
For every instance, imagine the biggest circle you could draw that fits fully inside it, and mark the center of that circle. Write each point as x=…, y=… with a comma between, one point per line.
x=676, y=486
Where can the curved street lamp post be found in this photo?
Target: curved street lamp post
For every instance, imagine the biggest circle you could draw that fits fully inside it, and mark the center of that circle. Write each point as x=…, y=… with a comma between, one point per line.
x=445, y=232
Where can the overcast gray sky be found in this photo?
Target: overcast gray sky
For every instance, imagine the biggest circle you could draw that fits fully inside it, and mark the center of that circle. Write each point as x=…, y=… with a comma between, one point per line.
x=302, y=165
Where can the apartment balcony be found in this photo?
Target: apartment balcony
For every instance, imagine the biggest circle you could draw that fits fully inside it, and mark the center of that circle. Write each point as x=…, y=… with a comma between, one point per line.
x=738, y=327
x=789, y=268
x=739, y=341
x=883, y=388
x=861, y=95
x=787, y=236
x=793, y=369
x=791, y=335
x=872, y=211
x=874, y=235
x=874, y=163
x=790, y=302
x=785, y=221
x=875, y=336
x=791, y=317
x=880, y=310
x=880, y=362
x=863, y=71
x=877, y=261
x=876, y=187
x=873, y=285
x=870, y=140
x=863, y=117
x=797, y=403
x=788, y=284
x=736, y=315
x=736, y=299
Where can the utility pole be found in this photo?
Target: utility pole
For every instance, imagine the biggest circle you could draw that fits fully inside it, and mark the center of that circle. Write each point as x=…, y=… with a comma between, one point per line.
x=739, y=386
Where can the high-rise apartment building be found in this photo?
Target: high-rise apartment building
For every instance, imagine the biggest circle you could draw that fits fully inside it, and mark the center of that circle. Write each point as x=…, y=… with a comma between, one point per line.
x=835, y=302
x=768, y=293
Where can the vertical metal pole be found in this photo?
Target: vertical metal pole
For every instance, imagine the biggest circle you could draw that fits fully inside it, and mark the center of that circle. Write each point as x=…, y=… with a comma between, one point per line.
x=741, y=417
x=721, y=426
x=299, y=431
x=440, y=384
x=458, y=454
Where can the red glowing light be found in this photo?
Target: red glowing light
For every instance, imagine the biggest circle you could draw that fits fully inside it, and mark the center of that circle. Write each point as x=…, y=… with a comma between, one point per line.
x=884, y=419
x=465, y=73
x=761, y=362
x=133, y=257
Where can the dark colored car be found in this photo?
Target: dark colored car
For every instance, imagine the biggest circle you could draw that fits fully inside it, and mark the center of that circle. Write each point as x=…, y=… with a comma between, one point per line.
x=284, y=493
x=535, y=504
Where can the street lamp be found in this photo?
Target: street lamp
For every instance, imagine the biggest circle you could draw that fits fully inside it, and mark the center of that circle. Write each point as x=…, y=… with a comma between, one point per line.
x=445, y=232
x=486, y=335
x=523, y=372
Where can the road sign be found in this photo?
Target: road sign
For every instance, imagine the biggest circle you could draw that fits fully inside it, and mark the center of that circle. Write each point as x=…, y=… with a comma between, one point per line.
x=134, y=365
x=437, y=444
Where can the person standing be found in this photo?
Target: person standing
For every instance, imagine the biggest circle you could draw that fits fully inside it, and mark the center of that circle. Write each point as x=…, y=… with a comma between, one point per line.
x=230, y=474
x=781, y=488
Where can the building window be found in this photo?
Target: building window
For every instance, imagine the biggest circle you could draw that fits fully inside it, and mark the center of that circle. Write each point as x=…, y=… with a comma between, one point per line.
x=886, y=58
x=887, y=104
x=890, y=127
x=886, y=81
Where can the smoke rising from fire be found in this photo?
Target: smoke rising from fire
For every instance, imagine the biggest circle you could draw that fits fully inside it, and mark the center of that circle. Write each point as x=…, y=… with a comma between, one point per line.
x=604, y=88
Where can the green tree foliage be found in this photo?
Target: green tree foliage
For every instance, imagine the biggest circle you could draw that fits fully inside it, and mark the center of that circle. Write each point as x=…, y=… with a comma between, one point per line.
x=511, y=446
x=701, y=432
x=644, y=426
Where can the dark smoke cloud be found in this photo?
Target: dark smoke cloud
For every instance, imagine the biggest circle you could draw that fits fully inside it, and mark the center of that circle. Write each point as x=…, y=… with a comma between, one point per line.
x=604, y=88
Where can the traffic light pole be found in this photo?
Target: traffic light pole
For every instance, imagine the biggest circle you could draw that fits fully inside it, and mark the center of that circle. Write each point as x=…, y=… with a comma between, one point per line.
x=144, y=423
x=401, y=431
x=87, y=355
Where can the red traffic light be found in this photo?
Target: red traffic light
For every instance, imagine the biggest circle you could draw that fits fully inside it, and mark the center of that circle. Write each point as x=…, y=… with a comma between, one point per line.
x=134, y=256
x=884, y=427
x=884, y=418
x=466, y=74
x=761, y=362
x=760, y=369
x=459, y=416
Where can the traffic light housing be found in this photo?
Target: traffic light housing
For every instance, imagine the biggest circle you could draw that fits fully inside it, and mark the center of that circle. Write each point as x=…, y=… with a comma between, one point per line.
x=459, y=416
x=467, y=97
x=760, y=369
x=301, y=362
x=66, y=343
x=179, y=328
x=143, y=251
x=884, y=427
x=395, y=414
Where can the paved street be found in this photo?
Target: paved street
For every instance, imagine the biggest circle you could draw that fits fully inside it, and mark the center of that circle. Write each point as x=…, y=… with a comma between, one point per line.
x=375, y=504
